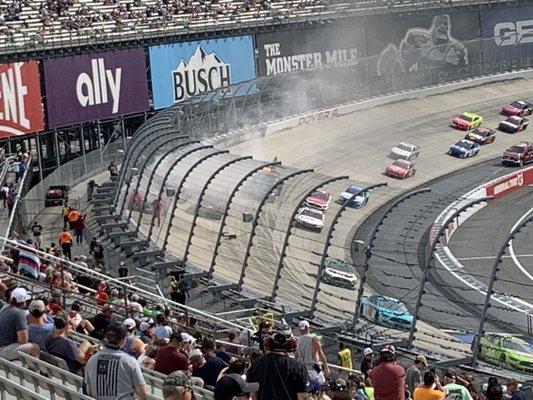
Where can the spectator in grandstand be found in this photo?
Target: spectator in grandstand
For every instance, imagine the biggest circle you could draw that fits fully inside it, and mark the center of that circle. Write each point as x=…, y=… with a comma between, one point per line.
x=231, y=385
x=39, y=327
x=210, y=348
x=101, y=295
x=171, y=357
x=388, y=378
x=14, y=336
x=206, y=367
x=413, y=375
x=264, y=330
x=4, y=193
x=73, y=217
x=122, y=270
x=101, y=321
x=133, y=345
x=430, y=389
x=514, y=390
x=55, y=305
x=111, y=373
x=344, y=355
x=29, y=262
x=494, y=390
x=178, y=386
x=310, y=353
x=281, y=377
x=76, y=322
x=147, y=359
x=65, y=241
x=453, y=390
x=366, y=362
x=97, y=250
x=146, y=331
x=79, y=226
x=162, y=331
x=113, y=169
x=65, y=210
x=36, y=231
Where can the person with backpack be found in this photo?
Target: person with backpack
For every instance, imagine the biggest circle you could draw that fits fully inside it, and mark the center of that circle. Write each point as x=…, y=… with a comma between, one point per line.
x=494, y=390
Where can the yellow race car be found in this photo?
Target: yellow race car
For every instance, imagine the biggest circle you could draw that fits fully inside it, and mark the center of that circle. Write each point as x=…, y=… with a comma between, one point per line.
x=467, y=121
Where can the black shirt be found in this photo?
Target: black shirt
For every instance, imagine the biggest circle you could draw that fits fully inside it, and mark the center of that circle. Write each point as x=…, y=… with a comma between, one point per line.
x=100, y=323
x=366, y=365
x=37, y=229
x=210, y=370
x=280, y=377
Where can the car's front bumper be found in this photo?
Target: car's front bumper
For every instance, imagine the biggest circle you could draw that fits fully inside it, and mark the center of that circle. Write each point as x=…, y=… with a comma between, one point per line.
x=513, y=161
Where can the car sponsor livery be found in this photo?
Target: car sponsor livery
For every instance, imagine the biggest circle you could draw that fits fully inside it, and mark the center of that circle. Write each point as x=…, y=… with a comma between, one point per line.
x=95, y=86
x=464, y=148
x=401, y=169
x=507, y=351
x=182, y=70
x=20, y=99
x=481, y=135
x=519, y=154
x=355, y=196
x=513, y=124
x=386, y=311
x=319, y=199
x=310, y=218
x=519, y=107
x=406, y=151
x=467, y=121
x=339, y=273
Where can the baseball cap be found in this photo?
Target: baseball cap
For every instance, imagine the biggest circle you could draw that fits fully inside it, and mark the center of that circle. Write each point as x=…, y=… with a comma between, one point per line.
x=368, y=351
x=144, y=326
x=187, y=338
x=130, y=323
x=177, y=378
x=20, y=295
x=232, y=385
x=303, y=324
x=389, y=348
x=37, y=305
x=195, y=355
x=421, y=359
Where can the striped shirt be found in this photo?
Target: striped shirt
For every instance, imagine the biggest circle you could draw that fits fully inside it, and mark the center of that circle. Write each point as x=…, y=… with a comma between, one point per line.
x=112, y=375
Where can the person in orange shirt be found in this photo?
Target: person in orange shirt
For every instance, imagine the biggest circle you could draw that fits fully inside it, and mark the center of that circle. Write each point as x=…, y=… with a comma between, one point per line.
x=65, y=240
x=73, y=217
x=431, y=388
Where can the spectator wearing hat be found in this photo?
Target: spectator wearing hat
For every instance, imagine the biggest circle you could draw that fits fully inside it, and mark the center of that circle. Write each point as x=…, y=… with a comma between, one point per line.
x=59, y=345
x=14, y=336
x=101, y=295
x=309, y=352
x=452, y=389
x=430, y=388
x=366, y=362
x=388, y=378
x=147, y=334
x=171, y=357
x=111, y=373
x=101, y=321
x=413, y=375
x=39, y=327
x=514, y=390
x=55, y=302
x=207, y=367
x=122, y=270
x=178, y=386
x=132, y=345
x=231, y=386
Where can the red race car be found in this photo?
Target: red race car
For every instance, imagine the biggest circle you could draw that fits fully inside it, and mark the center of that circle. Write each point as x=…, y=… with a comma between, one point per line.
x=401, y=169
x=518, y=107
x=319, y=199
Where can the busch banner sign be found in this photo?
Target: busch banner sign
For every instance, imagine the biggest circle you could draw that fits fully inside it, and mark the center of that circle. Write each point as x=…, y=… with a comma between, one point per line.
x=21, y=110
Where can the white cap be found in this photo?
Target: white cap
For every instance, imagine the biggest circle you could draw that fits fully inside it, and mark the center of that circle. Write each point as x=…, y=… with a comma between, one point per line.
x=368, y=351
x=20, y=295
x=144, y=326
x=130, y=323
x=187, y=338
x=303, y=324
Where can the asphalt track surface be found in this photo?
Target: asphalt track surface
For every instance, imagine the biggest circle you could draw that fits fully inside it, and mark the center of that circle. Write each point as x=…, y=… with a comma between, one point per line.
x=476, y=243
x=356, y=145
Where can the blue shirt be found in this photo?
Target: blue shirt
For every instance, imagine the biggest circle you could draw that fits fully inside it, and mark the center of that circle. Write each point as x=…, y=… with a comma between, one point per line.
x=39, y=333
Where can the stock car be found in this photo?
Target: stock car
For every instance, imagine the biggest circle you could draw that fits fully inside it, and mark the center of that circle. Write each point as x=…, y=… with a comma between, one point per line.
x=519, y=154
x=467, y=121
x=401, y=169
x=339, y=273
x=519, y=107
x=481, y=136
x=310, y=218
x=513, y=124
x=464, y=148
x=360, y=199
x=319, y=199
x=56, y=195
x=406, y=151
x=509, y=352
x=386, y=311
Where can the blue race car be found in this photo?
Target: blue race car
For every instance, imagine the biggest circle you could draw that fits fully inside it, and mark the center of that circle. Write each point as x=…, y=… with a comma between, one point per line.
x=386, y=311
x=358, y=201
x=464, y=148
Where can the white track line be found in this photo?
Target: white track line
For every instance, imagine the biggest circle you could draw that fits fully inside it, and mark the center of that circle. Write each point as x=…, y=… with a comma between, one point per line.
x=511, y=249
x=492, y=257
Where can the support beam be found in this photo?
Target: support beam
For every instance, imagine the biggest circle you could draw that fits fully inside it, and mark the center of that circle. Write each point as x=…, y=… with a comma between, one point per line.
x=257, y=215
x=236, y=188
x=327, y=244
x=288, y=232
x=201, y=197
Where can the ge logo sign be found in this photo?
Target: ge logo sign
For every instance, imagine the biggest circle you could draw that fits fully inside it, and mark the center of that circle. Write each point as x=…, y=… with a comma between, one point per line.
x=513, y=33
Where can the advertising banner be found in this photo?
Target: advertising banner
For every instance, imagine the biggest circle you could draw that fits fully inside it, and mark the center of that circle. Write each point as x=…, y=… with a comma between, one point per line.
x=182, y=70
x=509, y=33
x=404, y=45
x=286, y=51
x=95, y=86
x=21, y=109
x=509, y=183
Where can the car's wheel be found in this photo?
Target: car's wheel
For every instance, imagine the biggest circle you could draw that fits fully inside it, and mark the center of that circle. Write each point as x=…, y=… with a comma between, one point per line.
x=525, y=127
x=501, y=361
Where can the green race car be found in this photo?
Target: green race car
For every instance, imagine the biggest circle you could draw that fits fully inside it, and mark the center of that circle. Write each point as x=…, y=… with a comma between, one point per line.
x=509, y=352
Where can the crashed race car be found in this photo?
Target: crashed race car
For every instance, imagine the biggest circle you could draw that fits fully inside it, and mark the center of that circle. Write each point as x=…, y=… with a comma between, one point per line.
x=56, y=195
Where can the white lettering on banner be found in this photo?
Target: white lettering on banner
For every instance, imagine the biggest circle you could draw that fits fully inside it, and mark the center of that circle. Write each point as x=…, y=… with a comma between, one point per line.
x=203, y=73
x=93, y=90
x=512, y=33
x=509, y=184
x=318, y=116
x=12, y=92
x=277, y=64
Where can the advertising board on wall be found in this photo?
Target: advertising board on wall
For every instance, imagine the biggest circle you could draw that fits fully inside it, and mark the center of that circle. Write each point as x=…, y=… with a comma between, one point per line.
x=21, y=109
x=95, y=86
x=286, y=51
x=404, y=45
x=508, y=33
x=182, y=70
x=503, y=186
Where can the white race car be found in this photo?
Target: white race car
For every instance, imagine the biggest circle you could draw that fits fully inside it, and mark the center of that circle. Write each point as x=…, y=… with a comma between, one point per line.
x=310, y=218
x=406, y=151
